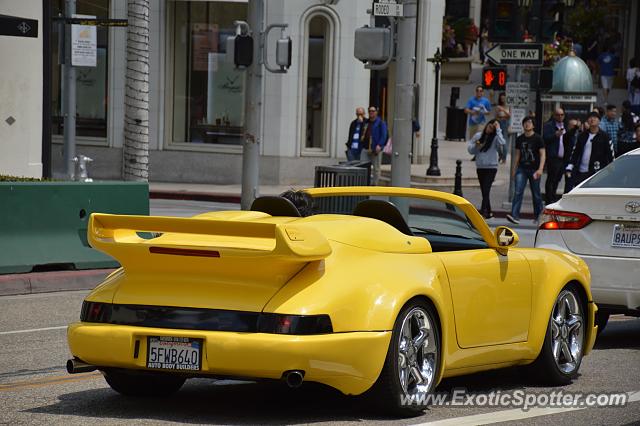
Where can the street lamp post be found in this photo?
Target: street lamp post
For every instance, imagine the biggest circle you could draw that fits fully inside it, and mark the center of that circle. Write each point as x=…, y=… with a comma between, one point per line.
x=433, y=169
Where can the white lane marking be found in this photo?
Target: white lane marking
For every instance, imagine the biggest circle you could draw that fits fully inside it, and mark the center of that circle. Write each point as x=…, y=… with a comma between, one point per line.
x=33, y=329
x=515, y=414
x=42, y=295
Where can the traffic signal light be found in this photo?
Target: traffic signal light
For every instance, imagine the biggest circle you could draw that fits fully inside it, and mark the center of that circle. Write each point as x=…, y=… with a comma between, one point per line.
x=550, y=10
x=494, y=78
x=240, y=50
x=503, y=22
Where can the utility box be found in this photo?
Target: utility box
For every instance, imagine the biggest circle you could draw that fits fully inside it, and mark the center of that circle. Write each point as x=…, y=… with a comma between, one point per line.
x=372, y=44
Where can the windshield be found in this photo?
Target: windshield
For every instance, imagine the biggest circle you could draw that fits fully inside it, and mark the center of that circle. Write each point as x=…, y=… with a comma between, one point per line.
x=622, y=173
x=432, y=219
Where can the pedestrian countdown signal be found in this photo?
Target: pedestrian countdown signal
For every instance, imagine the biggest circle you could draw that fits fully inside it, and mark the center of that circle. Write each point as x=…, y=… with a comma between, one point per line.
x=494, y=78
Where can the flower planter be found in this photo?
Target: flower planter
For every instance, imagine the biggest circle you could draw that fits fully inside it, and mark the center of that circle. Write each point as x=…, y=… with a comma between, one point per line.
x=456, y=69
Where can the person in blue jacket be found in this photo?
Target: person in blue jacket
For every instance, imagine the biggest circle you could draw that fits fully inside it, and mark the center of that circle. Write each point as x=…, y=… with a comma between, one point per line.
x=374, y=139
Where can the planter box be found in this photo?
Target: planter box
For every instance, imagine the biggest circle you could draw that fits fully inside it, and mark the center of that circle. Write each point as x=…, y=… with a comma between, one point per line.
x=43, y=225
x=456, y=69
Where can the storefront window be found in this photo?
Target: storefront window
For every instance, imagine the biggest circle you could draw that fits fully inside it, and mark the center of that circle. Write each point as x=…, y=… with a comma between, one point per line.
x=208, y=92
x=91, y=82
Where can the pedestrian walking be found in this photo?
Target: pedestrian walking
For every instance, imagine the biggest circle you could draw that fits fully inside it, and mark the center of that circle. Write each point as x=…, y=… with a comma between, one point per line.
x=592, y=152
x=488, y=147
x=356, y=128
x=477, y=108
x=606, y=65
x=626, y=134
x=573, y=131
x=553, y=135
x=611, y=124
x=633, y=85
x=530, y=158
x=373, y=142
x=503, y=115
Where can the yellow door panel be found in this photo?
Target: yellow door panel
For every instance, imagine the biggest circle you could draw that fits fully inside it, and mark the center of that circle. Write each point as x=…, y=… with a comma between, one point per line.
x=491, y=296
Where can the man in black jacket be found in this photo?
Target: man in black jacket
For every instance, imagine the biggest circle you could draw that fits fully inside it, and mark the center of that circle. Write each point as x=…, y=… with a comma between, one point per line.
x=556, y=144
x=593, y=151
x=356, y=130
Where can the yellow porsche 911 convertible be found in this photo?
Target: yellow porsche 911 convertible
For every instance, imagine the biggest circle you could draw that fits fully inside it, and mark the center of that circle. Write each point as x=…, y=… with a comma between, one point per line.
x=380, y=290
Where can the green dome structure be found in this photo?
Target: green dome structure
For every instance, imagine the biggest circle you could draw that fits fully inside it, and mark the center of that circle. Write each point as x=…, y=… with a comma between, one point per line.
x=571, y=75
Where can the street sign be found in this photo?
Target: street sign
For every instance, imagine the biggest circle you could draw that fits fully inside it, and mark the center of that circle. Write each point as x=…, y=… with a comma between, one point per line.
x=517, y=95
x=387, y=8
x=517, y=114
x=18, y=27
x=516, y=54
x=84, y=44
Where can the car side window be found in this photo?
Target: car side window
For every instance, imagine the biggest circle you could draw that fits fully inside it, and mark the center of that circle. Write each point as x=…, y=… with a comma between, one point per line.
x=445, y=226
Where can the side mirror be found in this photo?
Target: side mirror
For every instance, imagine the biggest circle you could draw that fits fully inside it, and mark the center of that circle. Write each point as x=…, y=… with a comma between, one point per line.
x=506, y=237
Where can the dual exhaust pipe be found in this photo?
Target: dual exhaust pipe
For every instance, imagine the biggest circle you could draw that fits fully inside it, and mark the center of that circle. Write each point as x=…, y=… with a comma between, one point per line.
x=75, y=366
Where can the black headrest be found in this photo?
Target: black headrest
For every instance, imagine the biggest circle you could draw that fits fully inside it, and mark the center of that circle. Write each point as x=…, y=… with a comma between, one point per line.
x=275, y=206
x=384, y=211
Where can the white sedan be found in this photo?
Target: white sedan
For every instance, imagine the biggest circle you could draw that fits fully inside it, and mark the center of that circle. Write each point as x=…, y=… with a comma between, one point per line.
x=599, y=220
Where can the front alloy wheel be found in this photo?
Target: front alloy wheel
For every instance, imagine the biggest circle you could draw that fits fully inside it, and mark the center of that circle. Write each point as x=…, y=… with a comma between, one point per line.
x=411, y=366
x=563, y=346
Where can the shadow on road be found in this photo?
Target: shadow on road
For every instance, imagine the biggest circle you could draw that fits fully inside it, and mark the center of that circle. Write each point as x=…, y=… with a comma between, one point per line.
x=203, y=401
x=620, y=334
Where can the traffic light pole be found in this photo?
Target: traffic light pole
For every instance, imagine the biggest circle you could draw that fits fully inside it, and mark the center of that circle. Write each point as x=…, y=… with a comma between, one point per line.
x=253, y=107
x=404, y=93
x=69, y=98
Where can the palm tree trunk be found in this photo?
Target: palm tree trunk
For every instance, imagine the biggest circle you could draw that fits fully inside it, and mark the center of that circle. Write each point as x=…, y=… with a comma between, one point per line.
x=136, y=115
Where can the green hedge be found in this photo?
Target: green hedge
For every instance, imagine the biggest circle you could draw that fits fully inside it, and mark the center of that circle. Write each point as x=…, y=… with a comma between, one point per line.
x=7, y=178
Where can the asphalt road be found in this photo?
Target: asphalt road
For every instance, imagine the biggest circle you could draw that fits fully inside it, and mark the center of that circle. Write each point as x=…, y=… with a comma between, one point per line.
x=35, y=388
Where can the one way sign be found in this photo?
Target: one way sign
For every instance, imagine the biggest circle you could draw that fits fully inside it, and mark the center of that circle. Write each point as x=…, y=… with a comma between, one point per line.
x=516, y=54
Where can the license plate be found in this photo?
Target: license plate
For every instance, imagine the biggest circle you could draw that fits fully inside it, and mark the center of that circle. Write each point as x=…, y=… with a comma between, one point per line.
x=626, y=236
x=174, y=353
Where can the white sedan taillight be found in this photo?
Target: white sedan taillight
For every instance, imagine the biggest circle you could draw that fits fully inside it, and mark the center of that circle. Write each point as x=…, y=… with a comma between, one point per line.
x=557, y=219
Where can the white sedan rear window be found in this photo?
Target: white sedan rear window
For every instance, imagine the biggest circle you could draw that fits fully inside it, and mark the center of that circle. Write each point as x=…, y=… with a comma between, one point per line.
x=622, y=173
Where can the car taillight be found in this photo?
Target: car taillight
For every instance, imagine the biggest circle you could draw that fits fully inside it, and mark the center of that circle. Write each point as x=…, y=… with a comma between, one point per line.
x=294, y=324
x=95, y=312
x=557, y=219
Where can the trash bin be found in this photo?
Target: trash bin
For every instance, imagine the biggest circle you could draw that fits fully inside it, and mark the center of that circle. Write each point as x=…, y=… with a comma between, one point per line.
x=456, y=124
x=341, y=175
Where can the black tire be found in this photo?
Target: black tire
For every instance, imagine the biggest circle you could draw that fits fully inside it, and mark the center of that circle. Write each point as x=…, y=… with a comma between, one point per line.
x=133, y=383
x=602, y=318
x=387, y=393
x=546, y=369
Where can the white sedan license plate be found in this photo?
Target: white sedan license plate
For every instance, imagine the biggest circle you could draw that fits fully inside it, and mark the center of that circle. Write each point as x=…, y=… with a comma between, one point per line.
x=174, y=353
x=626, y=236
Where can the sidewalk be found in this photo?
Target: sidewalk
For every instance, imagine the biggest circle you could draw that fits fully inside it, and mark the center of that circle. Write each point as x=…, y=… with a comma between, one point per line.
x=448, y=153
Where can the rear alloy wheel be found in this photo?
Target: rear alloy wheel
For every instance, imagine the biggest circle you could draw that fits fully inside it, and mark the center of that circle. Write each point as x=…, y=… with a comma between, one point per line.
x=563, y=347
x=411, y=366
x=142, y=383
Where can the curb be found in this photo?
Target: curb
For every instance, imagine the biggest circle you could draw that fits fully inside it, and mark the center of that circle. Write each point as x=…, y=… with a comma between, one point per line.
x=45, y=282
x=235, y=199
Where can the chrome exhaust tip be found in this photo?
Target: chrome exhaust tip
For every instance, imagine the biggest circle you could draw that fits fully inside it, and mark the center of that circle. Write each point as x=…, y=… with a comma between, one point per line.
x=76, y=366
x=293, y=378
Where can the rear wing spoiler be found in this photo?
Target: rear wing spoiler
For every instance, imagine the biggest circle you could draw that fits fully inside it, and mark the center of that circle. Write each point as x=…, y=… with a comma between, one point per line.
x=118, y=235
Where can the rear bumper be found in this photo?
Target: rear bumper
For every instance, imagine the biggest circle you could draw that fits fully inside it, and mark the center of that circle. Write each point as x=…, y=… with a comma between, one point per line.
x=614, y=280
x=349, y=362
